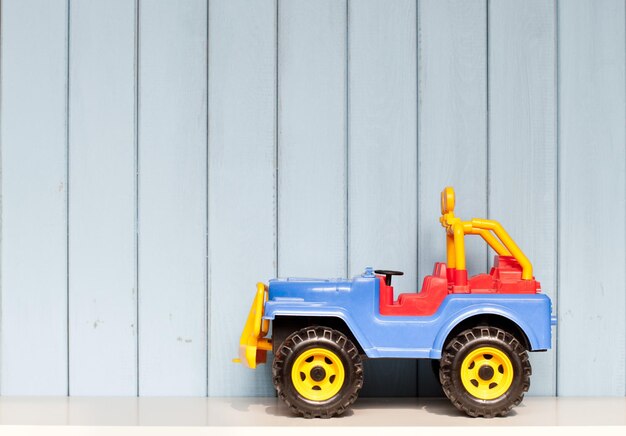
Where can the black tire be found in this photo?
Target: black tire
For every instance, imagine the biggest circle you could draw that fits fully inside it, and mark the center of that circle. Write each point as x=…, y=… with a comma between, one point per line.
x=306, y=341
x=471, y=343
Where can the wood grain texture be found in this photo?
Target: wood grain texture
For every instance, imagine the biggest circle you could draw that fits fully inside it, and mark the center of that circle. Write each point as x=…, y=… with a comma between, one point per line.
x=452, y=133
x=242, y=181
x=522, y=143
x=312, y=138
x=172, y=198
x=102, y=272
x=33, y=280
x=332, y=126
x=592, y=162
x=382, y=165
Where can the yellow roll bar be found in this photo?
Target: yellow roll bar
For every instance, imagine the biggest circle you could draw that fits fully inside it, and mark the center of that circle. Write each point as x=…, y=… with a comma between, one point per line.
x=456, y=230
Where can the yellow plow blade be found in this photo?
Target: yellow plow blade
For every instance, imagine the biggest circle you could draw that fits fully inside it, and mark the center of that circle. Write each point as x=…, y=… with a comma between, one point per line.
x=253, y=345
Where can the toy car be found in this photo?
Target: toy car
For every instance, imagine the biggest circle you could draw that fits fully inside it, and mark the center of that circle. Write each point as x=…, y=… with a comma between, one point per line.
x=480, y=329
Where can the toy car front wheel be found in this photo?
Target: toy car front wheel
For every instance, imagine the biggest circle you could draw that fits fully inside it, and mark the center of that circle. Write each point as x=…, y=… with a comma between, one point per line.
x=485, y=371
x=317, y=372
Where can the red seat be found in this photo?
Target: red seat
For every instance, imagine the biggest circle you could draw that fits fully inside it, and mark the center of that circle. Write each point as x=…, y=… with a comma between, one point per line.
x=424, y=303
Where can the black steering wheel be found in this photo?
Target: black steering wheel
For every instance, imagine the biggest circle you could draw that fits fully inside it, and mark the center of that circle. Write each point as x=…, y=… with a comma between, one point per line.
x=388, y=274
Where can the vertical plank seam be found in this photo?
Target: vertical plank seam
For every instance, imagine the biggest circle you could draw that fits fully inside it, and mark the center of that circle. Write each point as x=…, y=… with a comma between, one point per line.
x=276, y=139
x=487, y=122
x=417, y=125
x=625, y=146
x=136, y=199
x=67, y=194
x=557, y=258
x=206, y=212
x=347, y=140
x=417, y=161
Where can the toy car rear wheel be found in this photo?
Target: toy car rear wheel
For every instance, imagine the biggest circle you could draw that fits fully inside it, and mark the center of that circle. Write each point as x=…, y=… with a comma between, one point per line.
x=317, y=372
x=485, y=371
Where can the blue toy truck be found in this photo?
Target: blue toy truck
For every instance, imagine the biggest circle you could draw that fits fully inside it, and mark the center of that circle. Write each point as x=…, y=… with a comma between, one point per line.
x=480, y=328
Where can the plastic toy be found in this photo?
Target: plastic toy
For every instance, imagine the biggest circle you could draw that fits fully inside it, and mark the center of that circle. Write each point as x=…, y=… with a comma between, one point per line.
x=480, y=329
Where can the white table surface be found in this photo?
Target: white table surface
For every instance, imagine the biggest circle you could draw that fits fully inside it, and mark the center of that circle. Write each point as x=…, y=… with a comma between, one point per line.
x=97, y=415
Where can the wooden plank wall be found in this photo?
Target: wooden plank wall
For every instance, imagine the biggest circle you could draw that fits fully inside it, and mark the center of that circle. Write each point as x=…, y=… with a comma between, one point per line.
x=159, y=158
x=592, y=220
x=382, y=163
x=522, y=142
x=312, y=183
x=172, y=197
x=101, y=202
x=453, y=89
x=242, y=235
x=33, y=142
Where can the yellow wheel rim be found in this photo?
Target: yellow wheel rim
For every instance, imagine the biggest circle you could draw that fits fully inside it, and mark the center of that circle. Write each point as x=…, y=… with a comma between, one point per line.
x=487, y=373
x=318, y=374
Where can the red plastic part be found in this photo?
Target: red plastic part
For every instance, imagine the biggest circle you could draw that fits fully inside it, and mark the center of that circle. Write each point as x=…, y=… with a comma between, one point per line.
x=425, y=303
x=504, y=278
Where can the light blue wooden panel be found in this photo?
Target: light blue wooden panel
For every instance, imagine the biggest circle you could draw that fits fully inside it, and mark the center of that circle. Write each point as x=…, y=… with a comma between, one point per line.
x=102, y=280
x=33, y=280
x=242, y=181
x=522, y=143
x=341, y=119
x=592, y=156
x=452, y=133
x=172, y=198
x=382, y=159
x=312, y=138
